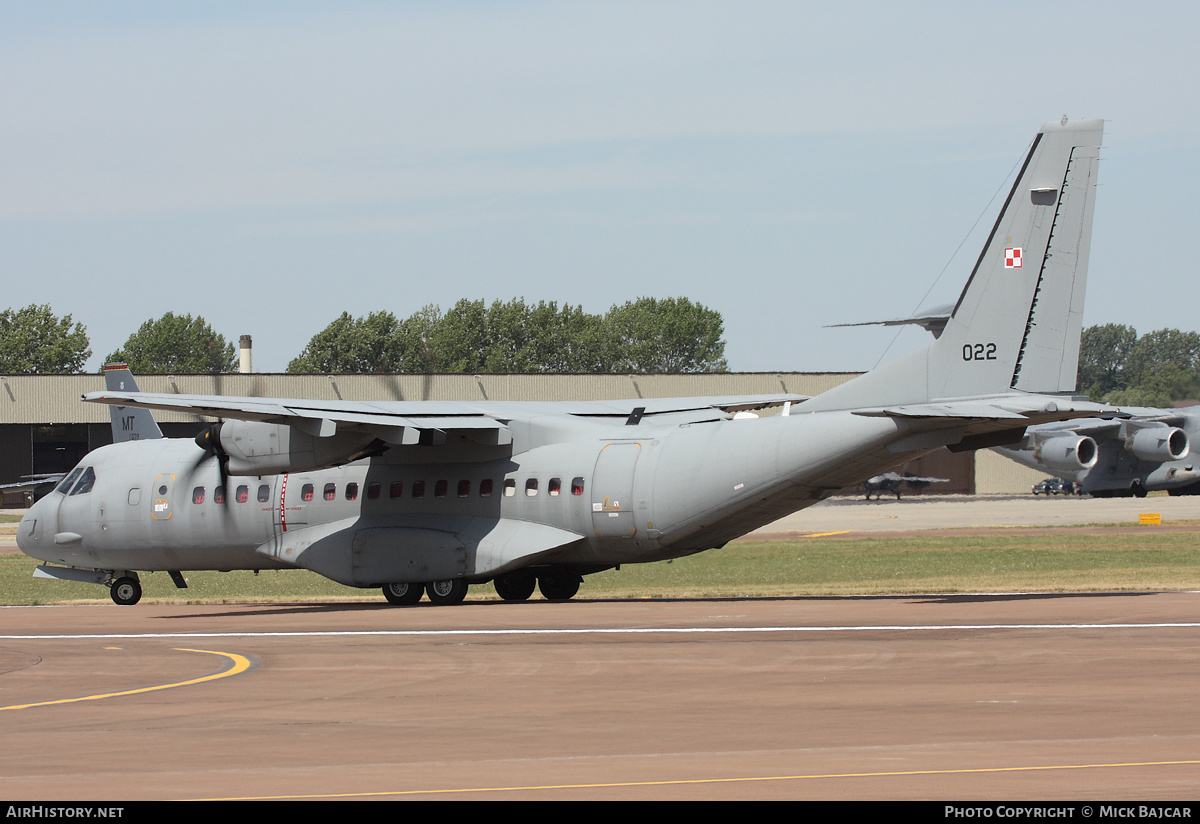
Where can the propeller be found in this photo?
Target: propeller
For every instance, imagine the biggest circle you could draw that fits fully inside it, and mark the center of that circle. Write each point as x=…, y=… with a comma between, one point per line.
x=209, y=441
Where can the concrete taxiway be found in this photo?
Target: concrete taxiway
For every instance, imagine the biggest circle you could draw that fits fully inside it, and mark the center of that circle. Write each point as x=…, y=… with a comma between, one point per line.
x=968, y=697
x=1020, y=697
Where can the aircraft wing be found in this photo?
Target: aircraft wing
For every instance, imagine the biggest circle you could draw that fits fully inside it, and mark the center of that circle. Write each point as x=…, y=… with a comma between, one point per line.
x=326, y=417
x=1027, y=408
x=1119, y=424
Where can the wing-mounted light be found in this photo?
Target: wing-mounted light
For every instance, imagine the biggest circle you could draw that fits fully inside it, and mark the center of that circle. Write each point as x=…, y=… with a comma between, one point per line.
x=256, y=448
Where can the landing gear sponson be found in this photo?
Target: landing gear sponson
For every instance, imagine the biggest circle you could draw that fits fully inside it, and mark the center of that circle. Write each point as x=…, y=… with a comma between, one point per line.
x=554, y=584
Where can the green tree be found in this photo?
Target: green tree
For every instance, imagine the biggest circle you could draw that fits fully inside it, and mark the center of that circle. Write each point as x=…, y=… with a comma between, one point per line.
x=351, y=344
x=376, y=343
x=177, y=344
x=35, y=341
x=1103, y=353
x=1118, y=367
x=460, y=341
x=668, y=335
x=516, y=337
x=648, y=335
x=1161, y=351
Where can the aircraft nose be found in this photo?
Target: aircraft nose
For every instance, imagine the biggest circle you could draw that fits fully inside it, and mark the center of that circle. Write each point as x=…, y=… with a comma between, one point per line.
x=35, y=533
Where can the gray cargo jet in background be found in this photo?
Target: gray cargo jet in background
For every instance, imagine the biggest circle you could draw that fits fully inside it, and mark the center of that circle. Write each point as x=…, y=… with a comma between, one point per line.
x=430, y=497
x=1128, y=451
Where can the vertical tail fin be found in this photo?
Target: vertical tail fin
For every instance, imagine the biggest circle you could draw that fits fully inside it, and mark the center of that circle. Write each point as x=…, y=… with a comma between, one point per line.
x=128, y=424
x=1016, y=325
x=1025, y=296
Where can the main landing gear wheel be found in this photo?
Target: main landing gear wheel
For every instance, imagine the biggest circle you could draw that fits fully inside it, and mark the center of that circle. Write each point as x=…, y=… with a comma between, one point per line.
x=558, y=586
x=515, y=586
x=446, y=593
x=126, y=591
x=403, y=595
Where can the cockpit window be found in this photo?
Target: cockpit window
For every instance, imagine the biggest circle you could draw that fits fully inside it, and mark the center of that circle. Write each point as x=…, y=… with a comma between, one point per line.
x=86, y=481
x=65, y=485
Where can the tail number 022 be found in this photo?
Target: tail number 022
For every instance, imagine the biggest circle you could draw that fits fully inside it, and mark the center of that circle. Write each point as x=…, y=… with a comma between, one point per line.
x=979, y=351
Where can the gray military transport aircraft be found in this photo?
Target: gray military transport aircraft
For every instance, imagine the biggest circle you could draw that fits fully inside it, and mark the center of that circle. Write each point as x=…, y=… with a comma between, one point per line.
x=431, y=496
x=1128, y=451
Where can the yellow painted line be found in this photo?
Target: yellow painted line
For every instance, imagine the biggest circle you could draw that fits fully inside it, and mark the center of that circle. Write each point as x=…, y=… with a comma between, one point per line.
x=824, y=534
x=238, y=665
x=678, y=782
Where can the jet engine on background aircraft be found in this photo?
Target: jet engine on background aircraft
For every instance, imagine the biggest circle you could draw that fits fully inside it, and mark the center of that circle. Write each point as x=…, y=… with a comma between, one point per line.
x=1158, y=443
x=1067, y=453
x=256, y=448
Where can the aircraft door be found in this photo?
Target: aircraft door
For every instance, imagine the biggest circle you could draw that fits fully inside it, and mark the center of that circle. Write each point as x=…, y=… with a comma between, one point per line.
x=612, y=490
x=295, y=495
x=160, y=497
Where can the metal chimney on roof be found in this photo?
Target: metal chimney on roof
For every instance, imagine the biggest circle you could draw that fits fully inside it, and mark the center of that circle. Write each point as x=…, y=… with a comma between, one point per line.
x=246, y=356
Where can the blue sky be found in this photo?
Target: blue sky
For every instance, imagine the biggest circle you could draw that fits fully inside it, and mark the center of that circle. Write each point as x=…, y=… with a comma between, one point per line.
x=792, y=165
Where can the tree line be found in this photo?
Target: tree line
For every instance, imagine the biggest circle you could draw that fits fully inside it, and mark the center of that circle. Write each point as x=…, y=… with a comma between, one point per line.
x=647, y=335
x=644, y=336
x=1118, y=366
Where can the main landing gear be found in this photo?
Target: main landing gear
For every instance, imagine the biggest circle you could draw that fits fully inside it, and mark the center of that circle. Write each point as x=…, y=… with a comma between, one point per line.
x=126, y=591
x=440, y=592
x=554, y=584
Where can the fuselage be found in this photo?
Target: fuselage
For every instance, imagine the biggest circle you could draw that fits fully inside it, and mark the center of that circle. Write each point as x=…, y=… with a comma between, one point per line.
x=593, y=497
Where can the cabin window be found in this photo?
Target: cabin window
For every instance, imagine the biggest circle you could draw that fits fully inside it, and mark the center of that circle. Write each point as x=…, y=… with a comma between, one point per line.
x=554, y=487
x=264, y=493
x=352, y=491
x=86, y=481
x=577, y=486
x=330, y=491
x=510, y=488
x=531, y=487
x=418, y=489
x=464, y=489
x=243, y=494
x=219, y=495
x=135, y=496
x=440, y=489
x=397, y=490
x=373, y=490
x=485, y=488
x=69, y=481
x=198, y=495
x=306, y=492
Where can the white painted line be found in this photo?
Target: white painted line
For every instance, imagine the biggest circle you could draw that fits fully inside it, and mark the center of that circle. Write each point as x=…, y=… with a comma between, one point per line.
x=443, y=633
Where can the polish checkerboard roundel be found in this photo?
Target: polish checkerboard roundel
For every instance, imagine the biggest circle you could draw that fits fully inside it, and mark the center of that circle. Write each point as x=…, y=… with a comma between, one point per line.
x=1012, y=258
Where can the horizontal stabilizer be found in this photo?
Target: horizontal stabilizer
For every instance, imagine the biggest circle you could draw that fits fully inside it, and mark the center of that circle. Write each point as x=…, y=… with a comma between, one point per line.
x=932, y=321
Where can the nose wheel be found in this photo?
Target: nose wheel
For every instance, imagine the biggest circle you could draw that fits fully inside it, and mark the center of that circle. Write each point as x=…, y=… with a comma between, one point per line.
x=126, y=591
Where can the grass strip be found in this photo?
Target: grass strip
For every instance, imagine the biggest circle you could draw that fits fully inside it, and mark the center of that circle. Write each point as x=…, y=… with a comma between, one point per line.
x=1016, y=561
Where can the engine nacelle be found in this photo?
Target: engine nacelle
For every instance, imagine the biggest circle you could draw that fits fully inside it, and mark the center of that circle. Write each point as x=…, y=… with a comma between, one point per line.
x=1159, y=443
x=256, y=448
x=1068, y=453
